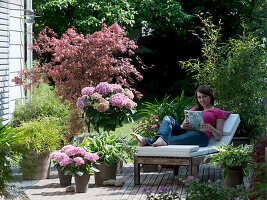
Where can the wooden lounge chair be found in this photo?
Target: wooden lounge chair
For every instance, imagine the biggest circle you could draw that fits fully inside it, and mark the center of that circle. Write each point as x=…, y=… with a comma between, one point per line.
x=183, y=155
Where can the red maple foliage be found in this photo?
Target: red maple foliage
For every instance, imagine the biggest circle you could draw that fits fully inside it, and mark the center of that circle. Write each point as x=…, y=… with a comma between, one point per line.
x=77, y=61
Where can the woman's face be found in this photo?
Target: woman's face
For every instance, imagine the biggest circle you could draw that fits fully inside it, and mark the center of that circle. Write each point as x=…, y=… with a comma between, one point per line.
x=204, y=100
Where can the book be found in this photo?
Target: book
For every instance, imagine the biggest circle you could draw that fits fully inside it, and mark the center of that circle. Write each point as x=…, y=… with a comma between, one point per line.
x=195, y=118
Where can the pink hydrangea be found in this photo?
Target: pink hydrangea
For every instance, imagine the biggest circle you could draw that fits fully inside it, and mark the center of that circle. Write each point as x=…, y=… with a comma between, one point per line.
x=65, y=162
x=129, y=104
x=79, y=161
x=88, y=91
x=102, y=106
x=58, y=156
x=129, y=94
x=96, y=96
x=117, y=88
x=104, y=88
x=79, y=151
x=118, y=100
x=92, y=157
x=71, y=151
x=67, y=147
x=81, y=102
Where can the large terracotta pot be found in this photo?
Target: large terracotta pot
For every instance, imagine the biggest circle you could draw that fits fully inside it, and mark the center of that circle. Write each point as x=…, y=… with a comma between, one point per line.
x=81, y=183
x=36, y=167
x=233, y=178
x=65, y=180
x=105, y=173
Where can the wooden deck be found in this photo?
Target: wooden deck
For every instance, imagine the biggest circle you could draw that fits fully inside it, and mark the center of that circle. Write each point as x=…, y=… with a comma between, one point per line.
x=50, y=188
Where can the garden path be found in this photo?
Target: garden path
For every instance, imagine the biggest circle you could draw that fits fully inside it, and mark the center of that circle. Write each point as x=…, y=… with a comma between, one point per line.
x=50, y=189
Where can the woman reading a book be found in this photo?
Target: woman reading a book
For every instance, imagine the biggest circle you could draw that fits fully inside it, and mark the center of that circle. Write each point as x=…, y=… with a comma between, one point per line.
x=171, y=133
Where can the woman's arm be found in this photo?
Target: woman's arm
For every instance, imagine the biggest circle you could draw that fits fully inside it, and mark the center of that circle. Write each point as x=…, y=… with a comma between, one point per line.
x=216, y=132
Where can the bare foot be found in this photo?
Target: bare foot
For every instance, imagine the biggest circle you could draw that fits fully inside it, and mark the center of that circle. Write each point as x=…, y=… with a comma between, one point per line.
x=159, y=142
x=140, y=139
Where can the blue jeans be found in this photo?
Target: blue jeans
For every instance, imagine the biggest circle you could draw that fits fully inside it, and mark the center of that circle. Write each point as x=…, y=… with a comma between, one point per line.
x=173, y=134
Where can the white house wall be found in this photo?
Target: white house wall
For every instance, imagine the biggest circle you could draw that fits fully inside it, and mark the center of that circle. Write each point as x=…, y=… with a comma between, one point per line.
x=11, y=54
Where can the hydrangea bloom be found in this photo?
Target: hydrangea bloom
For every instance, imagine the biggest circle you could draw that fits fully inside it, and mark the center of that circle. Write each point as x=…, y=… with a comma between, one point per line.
x=117, y=88
x=79, y=151
x=58, y=156
x=129, y=94
x=104, y=88
x=129, y=104
x=81, y=103
x=88, y=91
x=79, y=161
x=96, y=96
x=69, y=146
x=65, y=162
x=118, y=100
x=92, y=157
x=102, y=106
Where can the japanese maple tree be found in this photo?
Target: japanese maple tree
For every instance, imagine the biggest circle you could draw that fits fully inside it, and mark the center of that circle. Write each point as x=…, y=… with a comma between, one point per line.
x=76, y=61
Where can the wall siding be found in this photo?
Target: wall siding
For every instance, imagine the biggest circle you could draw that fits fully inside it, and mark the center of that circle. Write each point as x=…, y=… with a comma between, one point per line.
x=11, y=54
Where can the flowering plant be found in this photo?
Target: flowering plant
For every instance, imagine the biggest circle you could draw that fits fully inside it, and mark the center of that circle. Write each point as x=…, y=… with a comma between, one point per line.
x=74, y=160
x=106, y=105
x=196, y=189
x=147, y=126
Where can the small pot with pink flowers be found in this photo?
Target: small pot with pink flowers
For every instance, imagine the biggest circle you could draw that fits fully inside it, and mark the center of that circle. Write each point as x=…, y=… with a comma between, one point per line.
x=71, y=160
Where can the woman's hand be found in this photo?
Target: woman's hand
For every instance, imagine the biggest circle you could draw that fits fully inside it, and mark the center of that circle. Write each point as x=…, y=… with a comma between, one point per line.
x=216, y=132
x=186, y=125
x=207, y=127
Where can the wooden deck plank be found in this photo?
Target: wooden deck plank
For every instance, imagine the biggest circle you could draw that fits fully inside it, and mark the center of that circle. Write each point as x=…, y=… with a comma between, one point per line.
x=50, y=189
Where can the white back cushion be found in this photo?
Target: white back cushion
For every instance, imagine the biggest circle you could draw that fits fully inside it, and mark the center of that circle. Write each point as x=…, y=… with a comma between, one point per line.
x=229, y=130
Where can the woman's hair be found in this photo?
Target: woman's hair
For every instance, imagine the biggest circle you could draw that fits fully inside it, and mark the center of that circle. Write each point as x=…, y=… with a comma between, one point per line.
x=204, y=89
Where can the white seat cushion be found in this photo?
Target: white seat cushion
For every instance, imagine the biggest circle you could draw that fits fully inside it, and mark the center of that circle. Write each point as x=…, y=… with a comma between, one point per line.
x=167, y=151
x=229, y=129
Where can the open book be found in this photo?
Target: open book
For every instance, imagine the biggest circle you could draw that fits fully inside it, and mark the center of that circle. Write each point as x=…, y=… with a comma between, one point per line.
x=195, y=118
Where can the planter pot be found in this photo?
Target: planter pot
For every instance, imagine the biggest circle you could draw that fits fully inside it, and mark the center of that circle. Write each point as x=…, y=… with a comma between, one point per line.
x=106, y=173
x=233, y=178
x=65, y=180
x=81, y=183
x=36, y=167
x=240, y=140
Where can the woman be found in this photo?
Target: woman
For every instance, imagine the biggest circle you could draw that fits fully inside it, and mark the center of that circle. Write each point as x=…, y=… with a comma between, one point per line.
x=170, y=133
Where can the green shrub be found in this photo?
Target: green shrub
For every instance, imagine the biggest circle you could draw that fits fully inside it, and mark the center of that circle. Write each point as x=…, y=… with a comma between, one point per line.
x=46, y=134
x=174, y=108
x=235, y=71
x=43, y=104
x=8, y=155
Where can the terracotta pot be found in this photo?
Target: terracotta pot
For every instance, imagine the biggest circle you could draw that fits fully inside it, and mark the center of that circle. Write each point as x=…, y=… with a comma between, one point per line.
x=106, y=173
x=233, y=178
x=81, y=183
x=65, y=180
x=36, y=167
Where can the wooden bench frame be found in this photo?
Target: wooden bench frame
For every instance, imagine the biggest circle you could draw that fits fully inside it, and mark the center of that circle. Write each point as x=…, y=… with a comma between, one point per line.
x=192, y=162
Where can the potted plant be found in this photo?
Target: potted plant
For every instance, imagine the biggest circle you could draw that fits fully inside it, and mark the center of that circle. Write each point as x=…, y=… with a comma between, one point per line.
x=45, y=136
x=78, y=162
x=106, y=105
x=57, y=157
x=109, y=152
x=235, y=162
